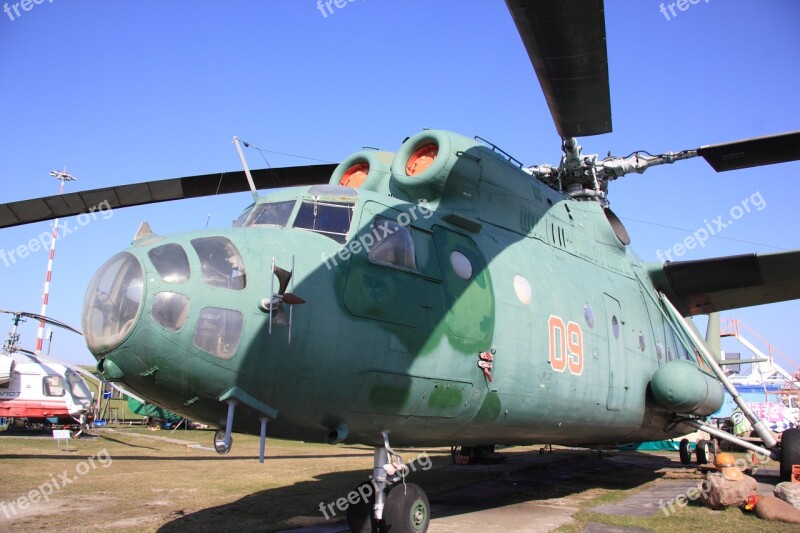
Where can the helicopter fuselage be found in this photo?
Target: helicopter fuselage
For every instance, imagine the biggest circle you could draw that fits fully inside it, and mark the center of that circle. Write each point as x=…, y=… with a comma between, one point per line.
x=462, y=303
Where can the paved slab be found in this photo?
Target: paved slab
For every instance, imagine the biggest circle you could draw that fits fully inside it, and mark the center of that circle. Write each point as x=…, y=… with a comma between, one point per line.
x=648, y=501
x=594, y=527
x=525, y=517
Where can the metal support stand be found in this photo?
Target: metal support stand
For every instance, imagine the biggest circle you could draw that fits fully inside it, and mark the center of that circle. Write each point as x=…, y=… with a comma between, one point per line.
x=229, y=422
x=263, y=439
x=773, y=454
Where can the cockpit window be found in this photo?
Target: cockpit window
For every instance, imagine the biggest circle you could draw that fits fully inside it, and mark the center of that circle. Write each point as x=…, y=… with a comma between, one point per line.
x=53, y=386
x=331, y=219
x=274, y=214
x=171, y=262
x=394, y=245
x=221, y=263
x=218, y=331
x=170, y=310
x=239, y=222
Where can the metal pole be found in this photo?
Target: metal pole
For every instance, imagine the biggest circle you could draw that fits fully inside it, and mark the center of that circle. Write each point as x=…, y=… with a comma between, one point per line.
x=263, y=439
x=774, y=454
x=246, y=170
x=229, y=423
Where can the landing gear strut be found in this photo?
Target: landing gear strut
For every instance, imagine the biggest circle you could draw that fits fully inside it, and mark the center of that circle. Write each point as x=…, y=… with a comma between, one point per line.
x=401, y=508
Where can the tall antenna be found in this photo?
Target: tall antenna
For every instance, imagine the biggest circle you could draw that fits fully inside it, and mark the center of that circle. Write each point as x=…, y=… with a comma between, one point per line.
x=62, y=176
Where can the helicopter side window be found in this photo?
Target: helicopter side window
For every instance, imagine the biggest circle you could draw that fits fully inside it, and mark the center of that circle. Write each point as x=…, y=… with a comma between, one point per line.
x=394, y=246
x=218, y=331
x=331, y=219
x=274, y=214
x=171, y=262
x=221, y=263
x=170, y=310
x=675, y=348
x=53, y=386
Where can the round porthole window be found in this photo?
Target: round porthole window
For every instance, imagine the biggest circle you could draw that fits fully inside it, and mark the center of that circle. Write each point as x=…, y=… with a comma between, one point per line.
x=615, y=326
x=523, y=289
x=660, y=350
x=461, y=265
x=641, y=341
x=588, y=314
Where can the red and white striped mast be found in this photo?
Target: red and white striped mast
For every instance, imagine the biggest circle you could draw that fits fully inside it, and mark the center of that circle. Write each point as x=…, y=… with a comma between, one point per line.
x=62, y=176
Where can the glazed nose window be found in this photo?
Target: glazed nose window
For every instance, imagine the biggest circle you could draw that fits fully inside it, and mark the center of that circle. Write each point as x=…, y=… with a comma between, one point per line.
x=221, y=263
x=112, y=302
x=171, y=262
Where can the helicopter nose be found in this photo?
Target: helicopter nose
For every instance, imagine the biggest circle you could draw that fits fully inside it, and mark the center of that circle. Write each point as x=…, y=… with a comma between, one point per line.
x=111, y=306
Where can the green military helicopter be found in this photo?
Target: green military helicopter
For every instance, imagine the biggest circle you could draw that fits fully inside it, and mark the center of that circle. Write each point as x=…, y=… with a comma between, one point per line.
x=443, y=294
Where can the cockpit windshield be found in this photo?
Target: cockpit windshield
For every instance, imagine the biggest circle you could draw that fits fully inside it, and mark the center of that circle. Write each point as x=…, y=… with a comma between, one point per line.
x=331, y=219
x=272, y=214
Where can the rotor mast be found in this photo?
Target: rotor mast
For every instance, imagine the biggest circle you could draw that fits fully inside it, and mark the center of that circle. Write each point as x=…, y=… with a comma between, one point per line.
x=584, y=177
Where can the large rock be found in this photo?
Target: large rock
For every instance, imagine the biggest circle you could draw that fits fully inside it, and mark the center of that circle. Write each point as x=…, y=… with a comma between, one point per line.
x=719, y=493
x=788, y=492
x=771, y=508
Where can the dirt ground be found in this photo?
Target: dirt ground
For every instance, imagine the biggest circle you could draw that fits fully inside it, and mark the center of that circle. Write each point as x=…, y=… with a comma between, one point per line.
x=131, y=479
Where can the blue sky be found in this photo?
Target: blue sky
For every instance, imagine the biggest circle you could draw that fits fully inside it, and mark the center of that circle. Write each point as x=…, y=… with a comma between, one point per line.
x=128, y=91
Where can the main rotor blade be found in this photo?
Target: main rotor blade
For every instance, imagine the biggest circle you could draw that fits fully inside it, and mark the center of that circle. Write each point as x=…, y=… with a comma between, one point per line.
x=42, y=318
x=566, y=42
x=753, y=152
x=150, y=192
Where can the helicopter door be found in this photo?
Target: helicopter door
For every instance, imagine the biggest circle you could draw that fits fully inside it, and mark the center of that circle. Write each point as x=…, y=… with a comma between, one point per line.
x=616, y=345
x=394, y=277
x=468, y=288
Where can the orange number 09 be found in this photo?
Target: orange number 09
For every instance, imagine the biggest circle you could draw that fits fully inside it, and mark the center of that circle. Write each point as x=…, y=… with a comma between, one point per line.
x=566, y=346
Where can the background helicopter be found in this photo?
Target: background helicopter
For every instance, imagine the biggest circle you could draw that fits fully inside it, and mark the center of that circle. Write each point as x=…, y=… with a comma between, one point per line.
x=698, y=143
x=37, y=389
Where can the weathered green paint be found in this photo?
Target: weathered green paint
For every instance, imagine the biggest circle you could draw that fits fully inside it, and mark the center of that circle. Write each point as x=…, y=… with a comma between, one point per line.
x=376, y=347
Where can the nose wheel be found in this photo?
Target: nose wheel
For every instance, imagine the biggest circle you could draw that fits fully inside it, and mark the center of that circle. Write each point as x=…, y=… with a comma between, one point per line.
x=387, y=502
x=407, y=509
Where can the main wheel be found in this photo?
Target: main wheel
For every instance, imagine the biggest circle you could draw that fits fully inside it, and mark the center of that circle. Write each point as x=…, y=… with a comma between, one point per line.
x=359, y=515
x=790, y=452
x=685, y=452
x=702, y=452
x=407, y=510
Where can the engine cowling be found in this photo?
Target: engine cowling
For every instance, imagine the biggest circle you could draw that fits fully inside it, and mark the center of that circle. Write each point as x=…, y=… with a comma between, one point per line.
x=433, y=162
x=368, y=169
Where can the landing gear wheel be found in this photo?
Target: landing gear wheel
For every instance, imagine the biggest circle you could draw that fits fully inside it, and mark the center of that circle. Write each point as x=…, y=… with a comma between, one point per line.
x=407, y=510
x=702, y=451
x=685, y=452
x=359, y=515
x=790, y=452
